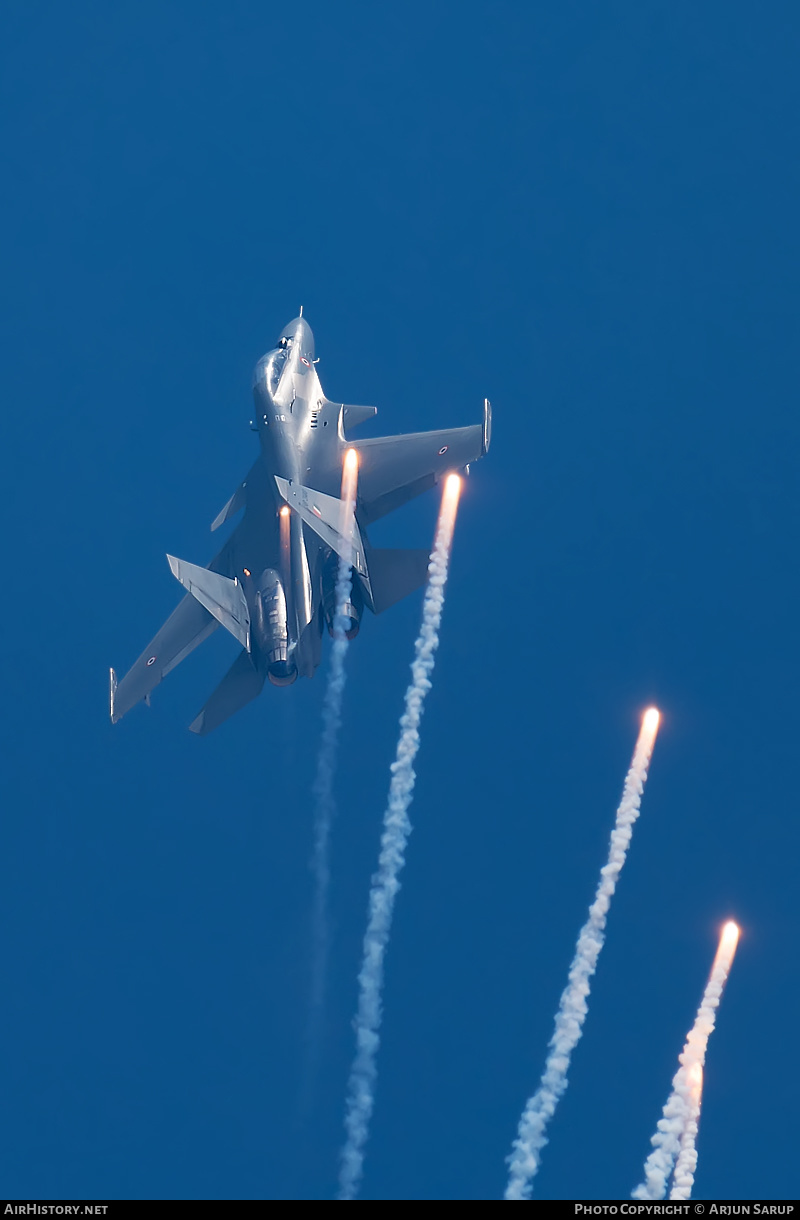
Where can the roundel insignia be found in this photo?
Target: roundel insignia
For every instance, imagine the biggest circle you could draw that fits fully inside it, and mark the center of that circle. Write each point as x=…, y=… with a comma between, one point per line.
x=151, y=661
x=443, y=450
x=307, y=363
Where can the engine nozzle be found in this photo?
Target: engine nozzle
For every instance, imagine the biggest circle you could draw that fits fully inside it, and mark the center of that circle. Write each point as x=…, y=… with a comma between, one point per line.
x=353, y=607
x=282, y=672
x=272, y=630
x=352, y=618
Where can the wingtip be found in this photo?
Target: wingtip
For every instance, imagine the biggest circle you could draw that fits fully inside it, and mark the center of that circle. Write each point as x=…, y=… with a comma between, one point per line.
x=174, y=566
x=112, y=688
x=197, y=725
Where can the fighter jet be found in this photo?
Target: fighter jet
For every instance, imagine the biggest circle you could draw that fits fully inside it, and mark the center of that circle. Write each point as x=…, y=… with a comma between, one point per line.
x=272, y=585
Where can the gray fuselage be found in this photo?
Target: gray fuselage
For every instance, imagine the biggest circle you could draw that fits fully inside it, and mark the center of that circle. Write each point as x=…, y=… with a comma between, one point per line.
x=302, y=440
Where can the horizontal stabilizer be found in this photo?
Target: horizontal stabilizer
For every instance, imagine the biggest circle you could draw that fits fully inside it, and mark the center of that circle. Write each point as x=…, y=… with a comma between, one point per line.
x=241, y=683
x=393, y=574
x=353, y=416
x=221, y=596
x=325, y=515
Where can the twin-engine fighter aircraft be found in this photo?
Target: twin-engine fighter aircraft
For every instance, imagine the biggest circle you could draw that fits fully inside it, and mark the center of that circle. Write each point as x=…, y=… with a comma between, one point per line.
x=273, y=583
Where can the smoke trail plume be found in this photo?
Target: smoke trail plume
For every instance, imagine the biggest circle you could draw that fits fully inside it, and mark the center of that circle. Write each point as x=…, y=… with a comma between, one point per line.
x=683, y=1178
x=531, y=1138
x=385, y=883
x=325, y=806
x=677, y=1128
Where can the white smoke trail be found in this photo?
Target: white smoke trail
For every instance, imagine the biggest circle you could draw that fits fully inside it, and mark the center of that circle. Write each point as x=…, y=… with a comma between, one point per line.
x=524, y=1160
x=683, y=1178
x=385, y=883
x=666, y=1141
x=322, y=788
x=674, y=1138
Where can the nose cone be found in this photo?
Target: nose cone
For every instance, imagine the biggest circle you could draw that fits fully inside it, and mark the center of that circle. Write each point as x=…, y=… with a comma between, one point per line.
x=301, y=336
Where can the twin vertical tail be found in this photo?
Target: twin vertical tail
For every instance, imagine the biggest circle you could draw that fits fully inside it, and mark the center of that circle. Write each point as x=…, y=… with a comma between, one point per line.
x=326, y=517
x=220, y=595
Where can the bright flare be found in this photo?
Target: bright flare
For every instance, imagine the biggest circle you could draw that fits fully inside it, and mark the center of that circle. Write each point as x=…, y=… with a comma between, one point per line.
x=349, y=478
x=285, y=527
x=676, y=1133
x=531, y=1138
x=349, y=484
x=695, y=1080
x=729, y=940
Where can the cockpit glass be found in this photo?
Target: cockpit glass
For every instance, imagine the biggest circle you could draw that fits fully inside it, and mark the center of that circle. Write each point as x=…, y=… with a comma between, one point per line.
x=274, y=370
x=270, y=367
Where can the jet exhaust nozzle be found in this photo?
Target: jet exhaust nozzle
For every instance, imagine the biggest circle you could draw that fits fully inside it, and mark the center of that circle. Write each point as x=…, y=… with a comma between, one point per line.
x=352, y=609
x=352, y=622
x=272, y=630
x=282, y=673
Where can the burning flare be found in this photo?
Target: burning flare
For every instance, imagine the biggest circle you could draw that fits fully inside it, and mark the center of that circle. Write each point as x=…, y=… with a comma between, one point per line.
x=676, y=1133
x=531, y=1139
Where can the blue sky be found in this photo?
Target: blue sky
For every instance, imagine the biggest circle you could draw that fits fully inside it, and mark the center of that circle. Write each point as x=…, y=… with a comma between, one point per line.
x=587, y=213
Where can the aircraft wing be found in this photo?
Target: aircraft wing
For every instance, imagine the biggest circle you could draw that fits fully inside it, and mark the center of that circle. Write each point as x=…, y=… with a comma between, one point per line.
x=191, y=623
x=187, y=626
x=394, y=469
